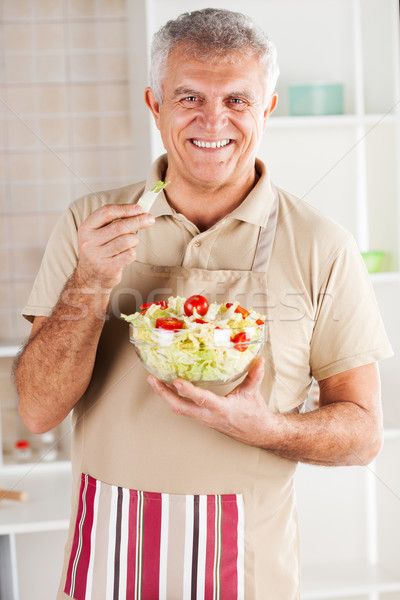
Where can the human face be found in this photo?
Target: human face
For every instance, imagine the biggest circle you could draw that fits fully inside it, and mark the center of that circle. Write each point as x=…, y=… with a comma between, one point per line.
x=211, y=119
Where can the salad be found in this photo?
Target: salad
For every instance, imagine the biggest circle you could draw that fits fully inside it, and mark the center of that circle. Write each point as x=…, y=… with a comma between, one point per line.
x=194, y=340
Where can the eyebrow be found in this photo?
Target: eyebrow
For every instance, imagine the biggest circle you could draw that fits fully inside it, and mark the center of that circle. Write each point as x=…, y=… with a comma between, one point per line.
x=186, y=91
x=247, y=94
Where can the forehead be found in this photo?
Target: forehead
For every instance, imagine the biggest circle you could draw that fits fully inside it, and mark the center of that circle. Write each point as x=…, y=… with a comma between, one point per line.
x=217, y=73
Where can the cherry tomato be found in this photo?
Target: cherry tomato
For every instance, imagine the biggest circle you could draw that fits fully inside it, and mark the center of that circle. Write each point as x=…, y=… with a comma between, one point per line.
x=200, y=321
x=260, y=322
x=240, y=340
x=168, y=323
x=196, y=302
x=229, y=304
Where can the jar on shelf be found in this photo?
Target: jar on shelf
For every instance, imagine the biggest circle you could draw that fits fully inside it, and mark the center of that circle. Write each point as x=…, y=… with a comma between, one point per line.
x=48, y=449
x=22, y=451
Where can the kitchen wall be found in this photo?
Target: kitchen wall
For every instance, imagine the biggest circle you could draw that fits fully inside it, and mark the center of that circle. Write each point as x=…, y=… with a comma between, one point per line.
x=65, y=130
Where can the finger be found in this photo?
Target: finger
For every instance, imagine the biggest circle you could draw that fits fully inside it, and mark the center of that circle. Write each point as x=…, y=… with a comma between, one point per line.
x=111, y=212
x=183, y=390
x=199, y=396
x=120, y=244
x=128, y=225
x=254, y=376
x=179, y=405
x=114, y=230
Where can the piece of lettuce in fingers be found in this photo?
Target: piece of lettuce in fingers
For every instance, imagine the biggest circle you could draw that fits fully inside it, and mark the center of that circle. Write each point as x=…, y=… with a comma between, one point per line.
x=147, y=200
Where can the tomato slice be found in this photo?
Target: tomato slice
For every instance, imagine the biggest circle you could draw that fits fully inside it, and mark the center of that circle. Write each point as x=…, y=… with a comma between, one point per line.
x=239, y=309
x=146, y=305
x=259, y=322
x=200, y=321
x=240, y=340
x=162, y=304
x=168, y=323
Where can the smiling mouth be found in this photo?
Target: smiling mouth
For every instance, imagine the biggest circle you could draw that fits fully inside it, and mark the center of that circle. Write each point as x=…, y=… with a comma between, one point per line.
x=214, y=144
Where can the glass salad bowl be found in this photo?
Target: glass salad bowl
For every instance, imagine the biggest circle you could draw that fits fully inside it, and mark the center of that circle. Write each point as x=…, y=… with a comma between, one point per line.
x=215, y=345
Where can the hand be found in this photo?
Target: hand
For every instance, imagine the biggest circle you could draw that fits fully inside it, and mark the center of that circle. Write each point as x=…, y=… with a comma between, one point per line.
x=107, y=240
x=243, y=414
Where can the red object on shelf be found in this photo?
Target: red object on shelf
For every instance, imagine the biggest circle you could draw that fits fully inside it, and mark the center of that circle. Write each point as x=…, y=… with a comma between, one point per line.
x=22, y=444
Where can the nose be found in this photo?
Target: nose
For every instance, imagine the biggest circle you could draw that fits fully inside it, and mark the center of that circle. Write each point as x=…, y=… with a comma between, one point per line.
x=213, y=116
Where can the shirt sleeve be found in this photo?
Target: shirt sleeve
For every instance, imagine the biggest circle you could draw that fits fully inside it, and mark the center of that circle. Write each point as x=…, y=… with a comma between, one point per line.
x=58, y=264
x=348, y=330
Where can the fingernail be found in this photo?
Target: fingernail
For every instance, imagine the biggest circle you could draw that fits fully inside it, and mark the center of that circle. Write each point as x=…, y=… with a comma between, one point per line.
x=149, y=220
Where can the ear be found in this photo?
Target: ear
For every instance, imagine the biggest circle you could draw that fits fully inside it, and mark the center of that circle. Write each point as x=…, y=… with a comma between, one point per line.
x=270, y=107
x=153, y=105
x=273, y=102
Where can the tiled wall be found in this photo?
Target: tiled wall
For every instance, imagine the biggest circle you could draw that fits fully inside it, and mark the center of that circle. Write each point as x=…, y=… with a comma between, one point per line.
x=64, y=126
x=65, y=130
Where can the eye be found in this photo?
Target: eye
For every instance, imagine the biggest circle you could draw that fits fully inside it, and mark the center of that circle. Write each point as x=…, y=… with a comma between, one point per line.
x=237, y=103
x=190, y=101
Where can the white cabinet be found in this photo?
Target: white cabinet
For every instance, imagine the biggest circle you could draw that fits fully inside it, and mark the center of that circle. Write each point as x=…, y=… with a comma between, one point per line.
x=42, y=521
x=33, y=533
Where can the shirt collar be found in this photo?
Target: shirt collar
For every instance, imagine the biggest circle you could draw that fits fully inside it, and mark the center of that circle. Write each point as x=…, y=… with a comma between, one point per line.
x=254, y=209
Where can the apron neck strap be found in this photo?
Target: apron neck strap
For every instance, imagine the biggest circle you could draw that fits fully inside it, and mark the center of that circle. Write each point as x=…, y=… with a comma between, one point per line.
x=266, y=238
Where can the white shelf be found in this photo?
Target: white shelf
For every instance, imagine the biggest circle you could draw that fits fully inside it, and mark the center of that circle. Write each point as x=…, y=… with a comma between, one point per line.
x=346, y=580
x=12, y=469
x=288, y=122
x=387, y=277
x=8, y=351
x=48, y=504
x=392, y=433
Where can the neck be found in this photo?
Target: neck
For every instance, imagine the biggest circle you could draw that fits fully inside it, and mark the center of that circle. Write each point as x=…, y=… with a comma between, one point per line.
x=205, y=206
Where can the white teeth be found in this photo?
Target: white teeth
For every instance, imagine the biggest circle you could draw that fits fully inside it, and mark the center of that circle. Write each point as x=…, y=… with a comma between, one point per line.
x=219, y=144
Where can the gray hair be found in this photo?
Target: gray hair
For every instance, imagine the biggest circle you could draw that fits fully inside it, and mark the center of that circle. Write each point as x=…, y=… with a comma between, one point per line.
x=209, y=34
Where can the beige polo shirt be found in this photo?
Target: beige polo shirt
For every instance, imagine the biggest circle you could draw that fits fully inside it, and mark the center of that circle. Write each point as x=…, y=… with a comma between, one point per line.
x=323, y=315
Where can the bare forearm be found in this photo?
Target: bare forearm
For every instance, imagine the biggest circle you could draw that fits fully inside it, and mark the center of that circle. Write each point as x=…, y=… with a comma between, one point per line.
x=340, y=433
x=55, y=368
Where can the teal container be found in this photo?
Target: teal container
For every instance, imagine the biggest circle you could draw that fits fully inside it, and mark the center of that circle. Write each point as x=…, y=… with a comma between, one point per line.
x=316, y=99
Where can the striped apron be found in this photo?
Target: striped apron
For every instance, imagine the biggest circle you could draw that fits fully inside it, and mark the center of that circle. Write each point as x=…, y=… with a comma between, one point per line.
x=154, y=542
x=162, y=506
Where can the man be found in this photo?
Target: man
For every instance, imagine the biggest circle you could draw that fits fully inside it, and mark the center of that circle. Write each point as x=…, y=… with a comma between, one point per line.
x=193, y=496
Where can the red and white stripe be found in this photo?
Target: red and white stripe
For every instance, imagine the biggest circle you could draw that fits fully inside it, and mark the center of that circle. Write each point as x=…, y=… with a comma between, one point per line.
x=135, y=545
